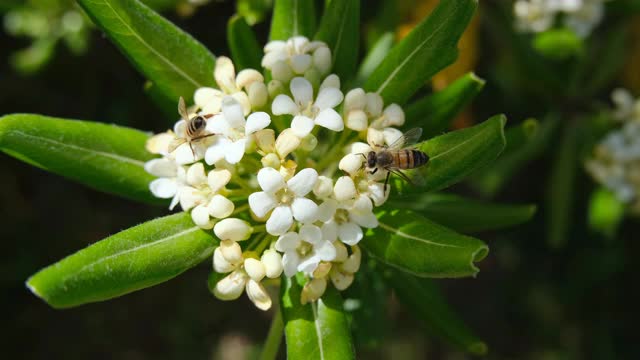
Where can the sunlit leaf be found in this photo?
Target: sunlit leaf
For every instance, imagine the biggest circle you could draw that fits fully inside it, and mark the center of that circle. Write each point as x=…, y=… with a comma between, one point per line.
x=318, y=330
x=429, y=48
x=605, y=212
x=140, y=257
x=558, y=44
x=408, y=241
x=374, y=57
x=340, y=29
x=105, y=157
x=292, y=18
x=426, y=302
x=434, y=113
x=463, y=214
x=245, y=49
x=169, y=57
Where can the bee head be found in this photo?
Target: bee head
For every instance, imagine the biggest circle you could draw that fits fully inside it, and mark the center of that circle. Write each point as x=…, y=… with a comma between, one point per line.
x=371, y=159
x=199, y=122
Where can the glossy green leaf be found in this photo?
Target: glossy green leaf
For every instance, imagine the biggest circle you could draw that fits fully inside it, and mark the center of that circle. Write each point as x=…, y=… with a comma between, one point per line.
x=245, y=49
x=455, y=155
x=435, y=113
x=292, y=18
x=605, y=212
x=133, y=259
x=409, y=242
x=426, y=302
x=374, y=57
x=169, y=57
x=429, y=48
x=463, y=214
x=105, y=157
x=319, y=330
x=558, y=44
x=560, y=191
x=521, y=150
x=340, y=29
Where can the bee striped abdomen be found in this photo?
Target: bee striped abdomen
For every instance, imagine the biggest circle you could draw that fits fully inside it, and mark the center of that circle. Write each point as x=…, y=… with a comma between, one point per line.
x=419, y=158
x=409, y=159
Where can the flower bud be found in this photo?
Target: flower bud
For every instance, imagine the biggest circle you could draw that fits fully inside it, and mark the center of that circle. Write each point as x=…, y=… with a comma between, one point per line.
x=271, y=160
x=231, y=286
x=309, y=142
x=375, y=137
x=189, y=197
x=340, y=280
x=393, y=115
x=218, y=179
x=355, y=99
x=275, y=88
x=205, y=95
x=258, y=95
x=272, y=261
x=342, y=254
x=159, y=144
x=300, y=63
x=231, y=252
x=248, y=77
x=322, y=270
x=313, y=290
x=258, y=295
x=331, y=81
x=266, y=140
x=351, y=163
x=352, y=264
x=254, y=268
x=287, y=142
x=360, y=148
x=220, y=207
x=200, y=216
x=373, y=105
x=220, y=264
x=322, y=60
x=224, y=74
x=357, y=120
x=232, y=229
x=344, y=189
x=281, y=71
x=313, y=76
x=323, y=187
x=196, y=175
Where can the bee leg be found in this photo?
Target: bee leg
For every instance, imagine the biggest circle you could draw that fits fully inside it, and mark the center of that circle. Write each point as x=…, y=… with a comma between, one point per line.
x=374, y=171
x=192, y=151
x=386, y=181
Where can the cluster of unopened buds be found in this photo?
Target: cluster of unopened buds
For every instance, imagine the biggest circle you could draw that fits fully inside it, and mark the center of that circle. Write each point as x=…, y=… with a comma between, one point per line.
x=616, y=159
x=276, y=170
x=581, y=16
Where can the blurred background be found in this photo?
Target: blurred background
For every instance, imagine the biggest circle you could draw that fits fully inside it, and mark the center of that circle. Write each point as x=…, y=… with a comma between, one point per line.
x=571, y=297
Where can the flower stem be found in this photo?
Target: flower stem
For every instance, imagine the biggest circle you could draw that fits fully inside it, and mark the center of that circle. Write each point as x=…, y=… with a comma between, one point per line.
x=336, y=150
x=274, y=338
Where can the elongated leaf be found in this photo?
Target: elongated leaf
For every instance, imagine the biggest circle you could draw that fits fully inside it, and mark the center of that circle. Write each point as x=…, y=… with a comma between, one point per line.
x=169, y=57
x=245, y=49
x=490, y=181
x=340, y=29
x=561, y=192
x=424, y=300
x=140, y=257
x=465, y=215
x=519, y=135
x=413, y=244
x=108, y=158
x=455, y=155
x=374, y=57
x=434, y=113
x=429, y=48
x=318, y=330
x=292, y=18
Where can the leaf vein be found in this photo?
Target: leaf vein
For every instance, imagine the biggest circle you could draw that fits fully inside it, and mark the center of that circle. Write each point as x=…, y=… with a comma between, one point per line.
x=409, y=236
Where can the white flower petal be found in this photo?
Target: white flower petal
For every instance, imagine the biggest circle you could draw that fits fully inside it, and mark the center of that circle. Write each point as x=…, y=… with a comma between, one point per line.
x=254, y=268
x=220, y=264
x=303, y=182
x=218, y=125
x=217, y=150
x=235, y=151
x=311, y=234
x=270, y=180
x=248, y=76
x=322, y=59
x=290, y=261
x=330, y=231
x=331, y=81
x=351, y=163
x=330, y=119
x=258, y=295
x=280, y=220
x=232, y=229
x=288, y=242
x=302, y=125
x=261, y=203
x=287, y=142
x=300, y=63
x=309, y=264
x=196, y=175
x=220, y=207
x=325, y=250
x=184, y=155
x=272, y=261
x=179, y=128
x=281, y=71
x=324, y=187
x=393, y=115
x=373, y=105
x=162, y=167
x=357, y=120
x=231, y=252
x=283, y=104
x=350, y=233
x=225, y=74
x=218, y=178
x=302, y=91
x=340, y=280
x=163, y=188
x=233, y=112
x=200, y=216
x=327, y=210
x=344, y=189
x=257, y=121
x=231, y=287
x=355, y=99
x=367, y=220
x=391, y=135
x=360, y=148
x=204, y=96
x=328, y=98
x=304, y=210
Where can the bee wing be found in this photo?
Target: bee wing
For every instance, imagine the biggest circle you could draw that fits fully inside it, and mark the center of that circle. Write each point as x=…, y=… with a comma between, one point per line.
x=409, y=138
x=173, y=145
x=182, y=109
x=414, y=177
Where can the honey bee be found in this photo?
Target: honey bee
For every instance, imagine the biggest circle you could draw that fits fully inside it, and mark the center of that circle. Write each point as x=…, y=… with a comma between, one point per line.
x=194, y=130
x=399, y=158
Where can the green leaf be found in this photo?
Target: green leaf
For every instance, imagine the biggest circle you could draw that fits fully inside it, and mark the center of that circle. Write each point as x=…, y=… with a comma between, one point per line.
x=558, y=44
x=292, y=18
x=169, y=57
x=455, y=155
x=521, y=150
x=605, y=212
x=429, y=48
x=105, y=157
x=133, y=259
x=162, y=102
x=434, y=113
x=560, y=191
x=245, y=49
x=520, y=135
x=254, y=11
x=319, y=330
x=411, y=243
x=374, y=58
x=425, y=301
x=463, y=214
x=340, y=29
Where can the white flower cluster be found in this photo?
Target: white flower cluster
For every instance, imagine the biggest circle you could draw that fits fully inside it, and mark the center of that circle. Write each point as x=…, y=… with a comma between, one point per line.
x=276, y=170
x=616, y=159
x=581, y=16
